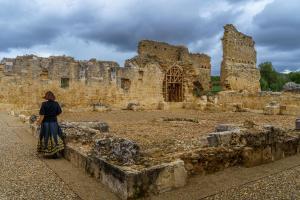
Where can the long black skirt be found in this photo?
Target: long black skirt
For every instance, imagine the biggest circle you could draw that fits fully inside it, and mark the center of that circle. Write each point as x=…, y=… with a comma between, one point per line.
x=50, y=139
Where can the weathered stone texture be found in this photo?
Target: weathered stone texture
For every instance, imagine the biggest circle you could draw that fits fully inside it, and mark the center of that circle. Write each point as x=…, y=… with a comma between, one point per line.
x=25, y=79
x=287, y=103
x=195, y=68
x=238, y=69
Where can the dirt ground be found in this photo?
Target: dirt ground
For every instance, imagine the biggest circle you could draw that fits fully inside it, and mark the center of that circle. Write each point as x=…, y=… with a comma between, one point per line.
x=20, y=180
x=163, y=138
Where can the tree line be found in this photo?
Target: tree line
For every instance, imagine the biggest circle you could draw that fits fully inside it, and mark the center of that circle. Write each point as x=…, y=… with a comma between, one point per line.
x=271, y=80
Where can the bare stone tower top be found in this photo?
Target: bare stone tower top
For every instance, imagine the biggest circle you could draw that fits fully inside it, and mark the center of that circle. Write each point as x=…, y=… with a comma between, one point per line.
x=238, y=70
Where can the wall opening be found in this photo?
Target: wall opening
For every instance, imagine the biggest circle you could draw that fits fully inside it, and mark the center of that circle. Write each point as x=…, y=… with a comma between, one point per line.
x=8, y=67
x=125, y=84
x=82, y=72
x=197, y=89
x=141, y=75
x=112, y=74
x=65, y=82
x=173, y=85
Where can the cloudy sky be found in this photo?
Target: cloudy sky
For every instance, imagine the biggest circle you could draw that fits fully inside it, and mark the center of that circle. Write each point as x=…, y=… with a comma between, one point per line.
x=110, y=29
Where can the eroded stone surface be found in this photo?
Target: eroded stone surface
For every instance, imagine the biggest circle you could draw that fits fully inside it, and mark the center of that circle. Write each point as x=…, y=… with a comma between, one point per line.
x=238, y=69
x=124, y=151
x=99, y=85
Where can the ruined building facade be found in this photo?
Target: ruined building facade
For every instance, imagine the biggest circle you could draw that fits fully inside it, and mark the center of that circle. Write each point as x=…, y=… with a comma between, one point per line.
x=238, y=69
x=177, y=74
x=159, y=73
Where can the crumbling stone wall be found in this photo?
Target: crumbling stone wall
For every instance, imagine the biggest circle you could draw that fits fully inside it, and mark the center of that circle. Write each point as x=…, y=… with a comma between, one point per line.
x=287, y=102
x=162, y=56
x=162, y=51
x=24, y=79
x=238, y=69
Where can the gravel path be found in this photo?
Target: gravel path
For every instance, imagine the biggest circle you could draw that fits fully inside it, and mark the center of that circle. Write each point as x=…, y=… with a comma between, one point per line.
x=284, y=185
x=23, y=175
x=279, y=180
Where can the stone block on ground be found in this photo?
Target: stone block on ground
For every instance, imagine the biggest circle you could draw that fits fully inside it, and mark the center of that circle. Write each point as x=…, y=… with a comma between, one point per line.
x=99, y=107
x=224, y=138
x=273, y=108
x=163, y=106
x=134, y=106
x=226, y=127
x=103, y=127
x=174, y=175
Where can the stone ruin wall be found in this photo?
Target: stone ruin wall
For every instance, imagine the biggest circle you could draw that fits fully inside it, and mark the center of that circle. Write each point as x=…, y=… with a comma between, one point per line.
x=201, y=63
x=287, y=103
x=196, y=67
x=238, y=69
x=161, y=51
x=25, y=79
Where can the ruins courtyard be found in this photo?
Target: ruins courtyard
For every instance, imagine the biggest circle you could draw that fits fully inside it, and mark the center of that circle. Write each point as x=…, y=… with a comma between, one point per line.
x=275, y=180
x=166, y=133
x=154, y=128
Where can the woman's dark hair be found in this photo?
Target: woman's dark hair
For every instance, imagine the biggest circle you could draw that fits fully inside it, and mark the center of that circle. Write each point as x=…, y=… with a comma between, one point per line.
x=49, y=96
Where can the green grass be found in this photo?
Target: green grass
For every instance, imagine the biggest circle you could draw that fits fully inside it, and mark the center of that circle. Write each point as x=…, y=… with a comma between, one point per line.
x=216, y=86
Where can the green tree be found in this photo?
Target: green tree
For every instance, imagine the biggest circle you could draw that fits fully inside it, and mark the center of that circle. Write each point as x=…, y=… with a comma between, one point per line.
x=264, y=84
x=294, y=77
x=270, y=78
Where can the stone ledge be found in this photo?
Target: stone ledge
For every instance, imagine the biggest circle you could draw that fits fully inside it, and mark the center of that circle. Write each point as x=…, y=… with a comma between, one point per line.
x=128, y=183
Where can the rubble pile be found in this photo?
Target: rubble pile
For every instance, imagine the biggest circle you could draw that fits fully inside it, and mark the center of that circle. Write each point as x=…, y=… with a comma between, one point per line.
x=291, y=87
x=122, y=150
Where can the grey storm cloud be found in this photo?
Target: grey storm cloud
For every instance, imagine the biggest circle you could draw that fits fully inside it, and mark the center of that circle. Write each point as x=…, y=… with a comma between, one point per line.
x=120, y=24
x=177, y=21
x=277, y=30
x=170, y=21
x=278, y=26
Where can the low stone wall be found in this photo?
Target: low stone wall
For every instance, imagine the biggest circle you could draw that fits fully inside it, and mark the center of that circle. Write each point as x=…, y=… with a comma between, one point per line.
x=273, y=103
x=242, y=146
x=231, y=145
x=128, y=183
x=209, y=160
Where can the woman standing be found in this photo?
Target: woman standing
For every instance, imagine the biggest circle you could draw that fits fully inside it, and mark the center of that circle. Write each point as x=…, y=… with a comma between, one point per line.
x=50, y=139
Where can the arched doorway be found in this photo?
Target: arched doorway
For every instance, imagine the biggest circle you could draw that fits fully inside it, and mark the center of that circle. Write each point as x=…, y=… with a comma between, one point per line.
x=173, y=85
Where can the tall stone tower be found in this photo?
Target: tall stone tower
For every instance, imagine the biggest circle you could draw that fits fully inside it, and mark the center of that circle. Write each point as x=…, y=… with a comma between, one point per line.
x=238, y=69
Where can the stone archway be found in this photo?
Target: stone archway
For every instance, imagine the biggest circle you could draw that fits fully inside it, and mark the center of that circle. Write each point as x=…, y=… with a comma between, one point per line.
x=173, y=85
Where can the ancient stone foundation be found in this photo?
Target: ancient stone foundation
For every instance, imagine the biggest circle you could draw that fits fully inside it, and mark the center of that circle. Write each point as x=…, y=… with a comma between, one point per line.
x=119, y=164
